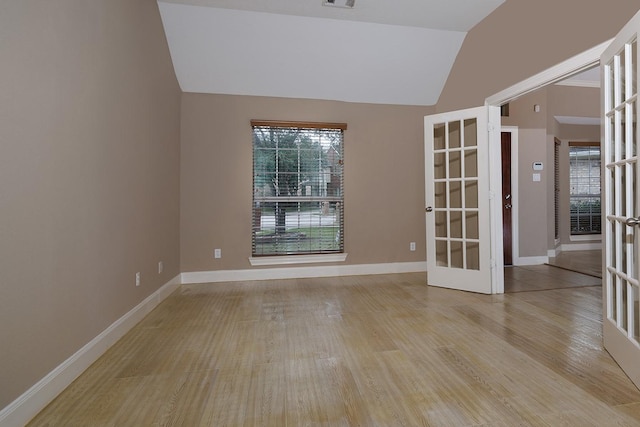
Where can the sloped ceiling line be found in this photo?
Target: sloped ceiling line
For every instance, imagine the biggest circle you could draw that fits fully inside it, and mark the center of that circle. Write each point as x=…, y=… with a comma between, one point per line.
x=258, y=52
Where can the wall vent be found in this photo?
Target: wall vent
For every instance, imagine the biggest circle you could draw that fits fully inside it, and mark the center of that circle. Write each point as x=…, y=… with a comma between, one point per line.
x=339, y=3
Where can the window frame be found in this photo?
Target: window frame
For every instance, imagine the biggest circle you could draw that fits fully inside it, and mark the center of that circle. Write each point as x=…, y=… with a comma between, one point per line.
x=287, y=255
x=589, y=196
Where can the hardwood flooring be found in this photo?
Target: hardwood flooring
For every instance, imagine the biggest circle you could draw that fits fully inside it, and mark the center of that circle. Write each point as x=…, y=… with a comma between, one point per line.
x=381, y=350
x=544, y=277
x=585, y=262
x=559, y=273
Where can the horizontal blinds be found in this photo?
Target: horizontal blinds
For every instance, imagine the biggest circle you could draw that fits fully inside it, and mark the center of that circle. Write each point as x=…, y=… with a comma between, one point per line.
x=299, y=125
x=297, y=188
x=583, y=144
x=584, y=170
x=584, y=191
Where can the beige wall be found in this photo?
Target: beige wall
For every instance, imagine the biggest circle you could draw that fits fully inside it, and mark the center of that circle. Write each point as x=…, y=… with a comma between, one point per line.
x=574, y=101
x=577, y=102
x=384, y=177
x=532, y=196
x=590, y=133
x=89, y=175
x=522, y=38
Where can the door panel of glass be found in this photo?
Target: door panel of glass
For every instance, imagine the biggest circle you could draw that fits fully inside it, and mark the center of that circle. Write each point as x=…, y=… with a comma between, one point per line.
x=457, y=195
x=621, y=289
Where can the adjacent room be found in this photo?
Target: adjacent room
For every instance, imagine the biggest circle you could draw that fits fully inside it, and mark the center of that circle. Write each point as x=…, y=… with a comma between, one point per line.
x=567, y=204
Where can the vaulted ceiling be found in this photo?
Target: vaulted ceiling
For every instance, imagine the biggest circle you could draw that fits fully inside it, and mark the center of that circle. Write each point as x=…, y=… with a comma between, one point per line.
x=387, y=52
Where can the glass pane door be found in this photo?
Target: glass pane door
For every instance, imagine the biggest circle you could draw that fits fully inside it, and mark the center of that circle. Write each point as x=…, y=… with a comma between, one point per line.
x=456, y=180
x=621, y=324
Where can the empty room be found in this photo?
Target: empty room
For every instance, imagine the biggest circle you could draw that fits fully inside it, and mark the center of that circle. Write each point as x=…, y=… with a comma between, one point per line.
x=245, y=213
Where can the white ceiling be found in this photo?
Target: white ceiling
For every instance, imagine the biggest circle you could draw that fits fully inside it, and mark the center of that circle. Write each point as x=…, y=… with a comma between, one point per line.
x=574, y=120
x=388, y=52
x=588, y=78
x=452, y=15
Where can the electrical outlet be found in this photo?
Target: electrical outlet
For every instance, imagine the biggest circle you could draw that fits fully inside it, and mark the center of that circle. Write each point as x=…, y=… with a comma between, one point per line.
x=160, y=267
x=412, y=246
x=217, y=253
x=138, y=278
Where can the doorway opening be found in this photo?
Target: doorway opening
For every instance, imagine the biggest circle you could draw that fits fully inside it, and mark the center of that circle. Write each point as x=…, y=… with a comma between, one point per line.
x=568, y=68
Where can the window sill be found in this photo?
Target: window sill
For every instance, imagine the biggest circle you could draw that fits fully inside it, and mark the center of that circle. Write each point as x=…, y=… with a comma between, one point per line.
x=585, y=237
x=297, y=259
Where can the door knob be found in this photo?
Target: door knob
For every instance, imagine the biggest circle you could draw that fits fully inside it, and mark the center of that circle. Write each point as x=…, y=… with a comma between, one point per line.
x=507, y=206
x=429, y=209
x=632, y=222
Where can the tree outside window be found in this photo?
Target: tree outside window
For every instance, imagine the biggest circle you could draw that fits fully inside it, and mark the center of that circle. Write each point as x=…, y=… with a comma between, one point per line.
x=584, y=193
x=297, y=188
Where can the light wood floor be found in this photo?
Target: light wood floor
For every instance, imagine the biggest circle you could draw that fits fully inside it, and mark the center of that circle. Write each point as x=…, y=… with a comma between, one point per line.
x=586, y=262
x=559, y=273
x=356, y=351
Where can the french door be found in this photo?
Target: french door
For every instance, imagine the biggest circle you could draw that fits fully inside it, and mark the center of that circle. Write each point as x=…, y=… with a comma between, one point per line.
x=621, y=254
x=458, y=223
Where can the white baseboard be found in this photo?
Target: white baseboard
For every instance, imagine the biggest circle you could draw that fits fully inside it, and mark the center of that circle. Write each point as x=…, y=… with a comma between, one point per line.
x=581, y=246
x=300, y=272
x=25, y=407
x=531, y=260
x=585, y=237
x=568, y=247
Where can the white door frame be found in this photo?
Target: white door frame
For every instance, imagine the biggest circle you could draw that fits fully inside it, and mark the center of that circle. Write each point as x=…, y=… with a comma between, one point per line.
x=571, y=66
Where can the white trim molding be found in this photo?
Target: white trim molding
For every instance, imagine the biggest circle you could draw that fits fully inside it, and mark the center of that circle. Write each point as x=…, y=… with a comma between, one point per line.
x=297, y=259
x=593, y=246
x=576, y=64
x=585, y=237
x=580, y=83
x=531, y=260
x=300, y=272
x=26, y=406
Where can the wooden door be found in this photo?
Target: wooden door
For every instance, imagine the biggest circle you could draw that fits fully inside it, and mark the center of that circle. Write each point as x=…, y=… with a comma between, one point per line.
x=457, y=197
x=507, y=237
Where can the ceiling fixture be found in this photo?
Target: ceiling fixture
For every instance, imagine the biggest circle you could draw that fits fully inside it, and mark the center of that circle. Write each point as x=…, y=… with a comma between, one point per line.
x=339, y=3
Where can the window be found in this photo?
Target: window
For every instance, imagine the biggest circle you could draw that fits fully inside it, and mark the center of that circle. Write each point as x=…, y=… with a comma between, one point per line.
x=297, y=188
x=584, y=193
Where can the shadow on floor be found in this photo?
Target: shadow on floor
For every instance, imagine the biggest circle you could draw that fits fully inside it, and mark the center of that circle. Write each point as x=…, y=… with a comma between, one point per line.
x=568, y=270
x=544, y=277
x=585, y=262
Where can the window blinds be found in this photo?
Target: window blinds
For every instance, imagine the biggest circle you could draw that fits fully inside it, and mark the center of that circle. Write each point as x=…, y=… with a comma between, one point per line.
x=298, y=204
